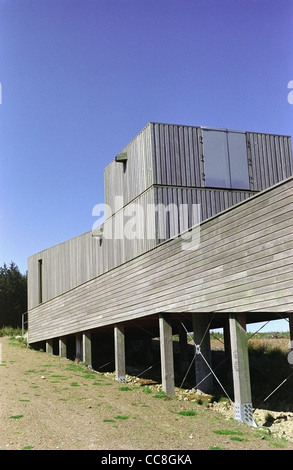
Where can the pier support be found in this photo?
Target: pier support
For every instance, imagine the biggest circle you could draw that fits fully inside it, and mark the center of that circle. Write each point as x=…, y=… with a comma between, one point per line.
x=63, y=347
x=87, y=348
x=240, y=366
x=119, y=342
x=204, y=377
x=78, y=346
x=167, y=360
x=290, y=345
x=49, y=346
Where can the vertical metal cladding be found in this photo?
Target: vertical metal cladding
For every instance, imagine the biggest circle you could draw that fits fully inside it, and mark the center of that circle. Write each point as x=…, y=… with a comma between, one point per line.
x=177, y=159
x=128, y=180
x=270, y=159
x=211, y=202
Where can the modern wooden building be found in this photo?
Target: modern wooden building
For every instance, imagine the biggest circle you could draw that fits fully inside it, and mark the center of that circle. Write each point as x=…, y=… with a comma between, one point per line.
x=197, y=235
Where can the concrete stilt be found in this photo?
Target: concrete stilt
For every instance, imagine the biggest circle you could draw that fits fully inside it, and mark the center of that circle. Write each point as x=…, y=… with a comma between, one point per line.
x=167, y=360
x=78, y=346
x=290, y=344
x=240, y=366
x=62, y=347
x=49, y=346
x=204, y=377
x=119, y=343
x=87, y=348
x=290, y=317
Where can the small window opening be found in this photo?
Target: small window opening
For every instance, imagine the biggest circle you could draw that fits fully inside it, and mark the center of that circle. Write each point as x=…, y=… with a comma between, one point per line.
x=40, y=282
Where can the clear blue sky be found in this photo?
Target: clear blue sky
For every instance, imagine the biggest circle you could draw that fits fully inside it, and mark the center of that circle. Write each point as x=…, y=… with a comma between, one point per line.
x=80, y=78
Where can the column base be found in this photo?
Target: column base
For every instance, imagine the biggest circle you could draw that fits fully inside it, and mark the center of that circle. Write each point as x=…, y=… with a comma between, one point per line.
x=121, y=379
x=244, y=414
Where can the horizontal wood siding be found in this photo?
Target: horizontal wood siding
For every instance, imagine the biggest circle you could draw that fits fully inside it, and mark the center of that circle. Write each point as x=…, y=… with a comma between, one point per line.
x=244, y=263
x=270, y=159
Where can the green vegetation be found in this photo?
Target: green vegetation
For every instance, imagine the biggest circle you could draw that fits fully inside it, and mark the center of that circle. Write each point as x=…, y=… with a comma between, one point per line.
x=13, y=296
x=160, y=395
x=188, y=413
x=9, y=331
x=228, y=432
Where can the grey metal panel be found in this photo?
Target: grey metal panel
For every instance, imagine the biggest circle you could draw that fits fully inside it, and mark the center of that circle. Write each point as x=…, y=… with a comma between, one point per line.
x=176, y=155
x=270, y=157
x=244, y=264
x=211, y=203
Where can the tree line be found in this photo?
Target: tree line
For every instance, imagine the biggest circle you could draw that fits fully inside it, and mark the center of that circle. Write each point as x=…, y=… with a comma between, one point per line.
x=13, y=296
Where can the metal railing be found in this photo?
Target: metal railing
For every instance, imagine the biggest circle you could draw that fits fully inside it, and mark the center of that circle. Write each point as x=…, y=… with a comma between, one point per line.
x=24, y=323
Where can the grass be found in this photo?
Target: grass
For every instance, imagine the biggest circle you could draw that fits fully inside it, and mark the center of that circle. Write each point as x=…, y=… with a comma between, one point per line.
x=160, y=395
x=9, y=331
x=187, y=413
x=228, y=432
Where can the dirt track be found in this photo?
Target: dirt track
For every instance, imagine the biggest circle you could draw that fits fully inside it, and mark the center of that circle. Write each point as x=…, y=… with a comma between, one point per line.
x=48, y=403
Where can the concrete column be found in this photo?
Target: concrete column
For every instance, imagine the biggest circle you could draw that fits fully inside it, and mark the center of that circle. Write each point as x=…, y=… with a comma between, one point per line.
x=290, y=316
x=62, y=347
x=78, y=346
x=119, y=343
x=167, y=360
x=240, y=366
x=204, y=377
x=87, y=348
x=49, y=346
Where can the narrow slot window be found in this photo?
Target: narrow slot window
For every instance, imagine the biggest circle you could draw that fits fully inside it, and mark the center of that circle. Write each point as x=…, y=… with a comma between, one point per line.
x=40, y=280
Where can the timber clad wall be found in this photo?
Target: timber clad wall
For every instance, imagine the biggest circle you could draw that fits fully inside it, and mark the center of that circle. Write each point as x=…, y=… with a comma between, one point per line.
x=245, y=256
x=244, y=263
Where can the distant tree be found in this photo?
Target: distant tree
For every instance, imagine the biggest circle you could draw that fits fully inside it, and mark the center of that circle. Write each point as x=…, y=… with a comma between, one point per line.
x=13, y=295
